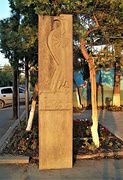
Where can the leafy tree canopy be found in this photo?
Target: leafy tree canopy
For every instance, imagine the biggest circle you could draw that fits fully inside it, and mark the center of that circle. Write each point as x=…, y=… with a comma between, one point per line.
x=93, y=20
x=6, y=76
x=97, y=21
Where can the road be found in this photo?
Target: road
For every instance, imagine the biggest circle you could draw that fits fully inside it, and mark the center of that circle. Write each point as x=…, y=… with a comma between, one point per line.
x=6, y=118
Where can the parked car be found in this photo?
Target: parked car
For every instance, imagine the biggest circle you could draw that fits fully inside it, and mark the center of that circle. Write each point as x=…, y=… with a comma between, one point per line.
x=6, y=94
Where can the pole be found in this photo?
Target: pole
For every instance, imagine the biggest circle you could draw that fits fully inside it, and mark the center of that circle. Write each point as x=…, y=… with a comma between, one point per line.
x=18, y=94
x=26, y=89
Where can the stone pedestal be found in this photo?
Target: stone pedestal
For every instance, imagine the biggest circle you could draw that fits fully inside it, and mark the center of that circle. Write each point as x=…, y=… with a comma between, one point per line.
x=55, y=92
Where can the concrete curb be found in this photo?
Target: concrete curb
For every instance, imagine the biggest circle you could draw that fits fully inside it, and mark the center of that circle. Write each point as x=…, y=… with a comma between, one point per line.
x=14, y=160
x=100, y=155
x=92, y=156
x=9, y=133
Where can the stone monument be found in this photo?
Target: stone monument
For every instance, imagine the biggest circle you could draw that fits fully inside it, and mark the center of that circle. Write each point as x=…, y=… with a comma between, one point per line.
x=55, y=79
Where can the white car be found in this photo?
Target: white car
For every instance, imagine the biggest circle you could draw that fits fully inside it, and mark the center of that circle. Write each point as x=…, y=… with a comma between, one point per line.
x=6, y=94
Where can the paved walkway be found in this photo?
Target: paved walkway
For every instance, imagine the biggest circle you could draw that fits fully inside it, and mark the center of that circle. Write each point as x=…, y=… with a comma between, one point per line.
x=104, y=169
x=112, y=120
x=6, y=120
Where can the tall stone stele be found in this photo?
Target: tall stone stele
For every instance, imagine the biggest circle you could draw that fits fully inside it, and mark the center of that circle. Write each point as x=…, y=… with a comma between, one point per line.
x=55, y=92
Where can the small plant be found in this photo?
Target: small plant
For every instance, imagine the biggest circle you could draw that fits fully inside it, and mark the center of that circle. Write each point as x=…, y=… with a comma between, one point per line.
x=26, y=143
x=92, y=147
x=82, y=135
x=115, y=108
x=22, y=141
x=28, y=140
x=81, y=128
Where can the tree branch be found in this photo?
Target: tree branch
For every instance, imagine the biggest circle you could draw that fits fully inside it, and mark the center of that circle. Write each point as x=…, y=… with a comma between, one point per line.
x=96, y=27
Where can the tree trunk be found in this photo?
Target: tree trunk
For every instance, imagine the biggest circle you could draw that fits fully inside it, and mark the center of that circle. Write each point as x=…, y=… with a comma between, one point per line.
x=94, y=128
x=15, y=92
x=33, y=106
x=26, y=88
x=90, y=60
x=116, y=92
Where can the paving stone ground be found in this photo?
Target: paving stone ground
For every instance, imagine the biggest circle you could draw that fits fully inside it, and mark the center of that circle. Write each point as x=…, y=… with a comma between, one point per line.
x=104, y=169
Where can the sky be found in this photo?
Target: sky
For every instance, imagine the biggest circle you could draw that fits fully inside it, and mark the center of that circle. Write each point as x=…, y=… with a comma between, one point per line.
x=4, y=13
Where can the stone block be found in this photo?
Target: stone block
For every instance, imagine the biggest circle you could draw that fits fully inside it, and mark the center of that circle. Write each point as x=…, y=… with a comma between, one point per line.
x=55, y=79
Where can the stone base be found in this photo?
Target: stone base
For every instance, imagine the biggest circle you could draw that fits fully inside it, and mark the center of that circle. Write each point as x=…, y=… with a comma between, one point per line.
x=55, y=139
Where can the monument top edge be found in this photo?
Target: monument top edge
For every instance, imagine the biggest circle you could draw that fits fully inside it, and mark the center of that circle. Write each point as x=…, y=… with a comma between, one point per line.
x=61, y=15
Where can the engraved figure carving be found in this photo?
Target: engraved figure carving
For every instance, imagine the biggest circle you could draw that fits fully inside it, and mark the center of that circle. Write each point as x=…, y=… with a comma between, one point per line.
x=58, y=40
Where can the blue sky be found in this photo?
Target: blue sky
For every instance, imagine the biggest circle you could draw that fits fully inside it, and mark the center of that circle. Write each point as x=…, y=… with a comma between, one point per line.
x=4, y=9
x=4, y=13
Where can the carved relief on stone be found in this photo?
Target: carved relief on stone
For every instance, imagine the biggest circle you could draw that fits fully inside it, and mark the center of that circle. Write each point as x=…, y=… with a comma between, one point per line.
x=55, y=63
x=58, y=40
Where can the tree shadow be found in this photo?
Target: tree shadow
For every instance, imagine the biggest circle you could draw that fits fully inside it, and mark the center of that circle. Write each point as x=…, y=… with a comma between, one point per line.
x=107, y=119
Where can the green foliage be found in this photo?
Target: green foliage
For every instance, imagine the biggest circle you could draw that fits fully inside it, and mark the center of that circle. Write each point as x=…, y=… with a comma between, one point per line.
x=81, y=128
x=6, y=76
x=8, y=35
x=22, y=27
x=24, y=23
x=33, y=78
